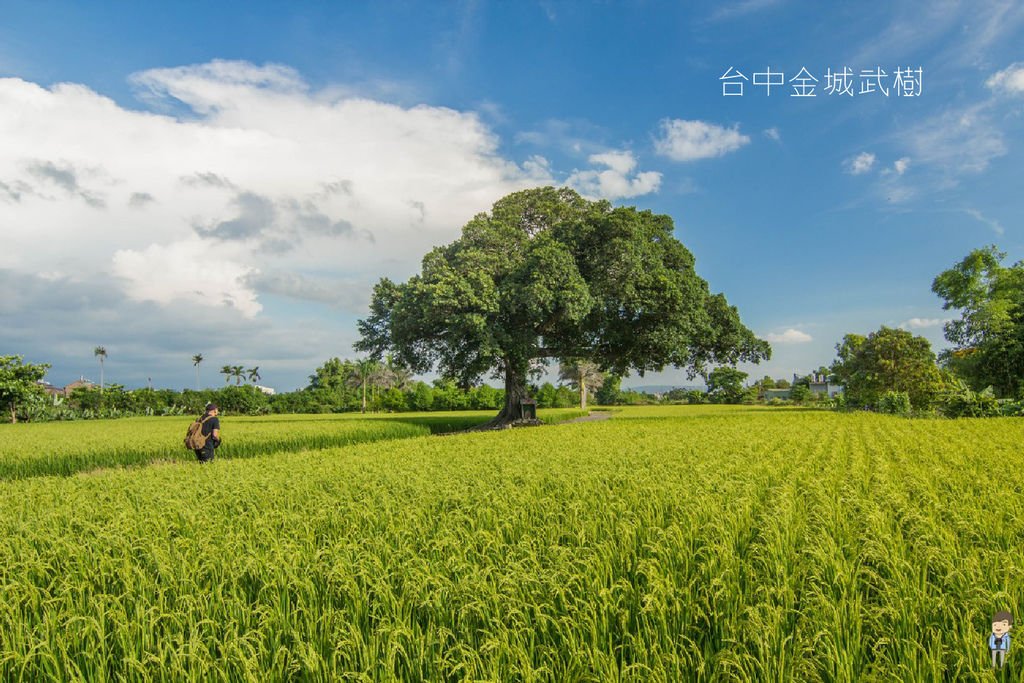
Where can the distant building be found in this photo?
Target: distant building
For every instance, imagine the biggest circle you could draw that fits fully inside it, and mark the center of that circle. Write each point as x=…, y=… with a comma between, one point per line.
x=769, y=394
x=266, y=390
x=820, y=385
x=81, y=383
x=50, y=389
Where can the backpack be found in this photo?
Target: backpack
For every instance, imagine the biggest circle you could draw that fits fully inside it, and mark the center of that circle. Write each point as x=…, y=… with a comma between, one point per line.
x=194, y=438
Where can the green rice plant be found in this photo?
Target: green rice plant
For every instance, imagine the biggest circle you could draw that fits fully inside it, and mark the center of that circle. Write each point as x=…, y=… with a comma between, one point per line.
x=57, y=448
x=696, y=543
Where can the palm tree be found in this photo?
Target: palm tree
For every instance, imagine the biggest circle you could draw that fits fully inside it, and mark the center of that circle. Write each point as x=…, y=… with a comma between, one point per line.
x=581, y=374
x=362, y=374
x=228, y=373
x=238, y=372
x=254, y=374
x=380, y=378
x=196, y=360
x=395, y=375
x=100, y=353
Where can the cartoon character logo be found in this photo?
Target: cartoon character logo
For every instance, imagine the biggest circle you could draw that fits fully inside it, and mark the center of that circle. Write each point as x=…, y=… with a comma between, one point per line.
x=999, y=641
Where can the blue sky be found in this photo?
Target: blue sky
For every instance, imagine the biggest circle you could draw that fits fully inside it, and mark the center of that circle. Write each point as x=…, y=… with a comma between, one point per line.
x=231, y=179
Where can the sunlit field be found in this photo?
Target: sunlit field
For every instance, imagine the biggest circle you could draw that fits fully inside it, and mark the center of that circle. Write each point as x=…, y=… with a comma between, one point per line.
x=667, y=544
x=28, y=450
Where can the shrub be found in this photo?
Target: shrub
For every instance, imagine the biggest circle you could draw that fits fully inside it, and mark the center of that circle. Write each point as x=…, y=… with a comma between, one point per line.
x=959, y=400
x=800, y=393
x=894, y=403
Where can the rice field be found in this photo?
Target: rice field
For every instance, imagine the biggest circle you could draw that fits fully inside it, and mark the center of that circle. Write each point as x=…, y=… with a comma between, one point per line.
x=669, y=544
x=62, y=448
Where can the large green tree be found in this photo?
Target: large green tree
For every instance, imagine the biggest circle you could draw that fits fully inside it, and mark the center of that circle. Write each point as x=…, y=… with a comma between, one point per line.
x=887, y=360
x=548, y=275
x=19, y=381
x=988, y=337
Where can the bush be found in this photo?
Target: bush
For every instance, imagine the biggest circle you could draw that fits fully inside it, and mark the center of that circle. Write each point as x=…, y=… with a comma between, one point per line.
x=1011, y=408
x=958, y=400
x=894, y=403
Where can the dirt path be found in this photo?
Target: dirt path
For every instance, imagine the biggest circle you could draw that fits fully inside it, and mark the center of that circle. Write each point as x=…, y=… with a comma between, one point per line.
x=595, y=416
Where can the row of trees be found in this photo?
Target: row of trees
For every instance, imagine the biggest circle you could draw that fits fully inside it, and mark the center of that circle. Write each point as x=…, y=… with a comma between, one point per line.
x=893, y=370
x=981, y=373
x=236, y=372
x=336, y=386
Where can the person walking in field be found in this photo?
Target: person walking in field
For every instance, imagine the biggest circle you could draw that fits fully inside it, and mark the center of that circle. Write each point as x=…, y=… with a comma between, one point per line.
x=208, y=434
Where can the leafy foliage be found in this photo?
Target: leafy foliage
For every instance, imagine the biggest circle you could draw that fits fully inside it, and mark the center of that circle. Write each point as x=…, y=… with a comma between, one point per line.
x=550, y=275
x=894, y=403
x=19, y=382
x=725, y=385
x=959, y=400
x=887, y=360
x=988, y=337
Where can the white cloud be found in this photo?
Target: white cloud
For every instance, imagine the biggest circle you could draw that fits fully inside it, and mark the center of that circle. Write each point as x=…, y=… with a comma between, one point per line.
x=773, y=134
x=996, y=226
x=957, y=141
x=742, y=9
x=862, y=163
x=964, y=33
x=1009, y=80
x=922, y=323
x=614, y=182
x=790, y=336
x=187, y=270
x=690, y=140
x=901, y=165
x=264, y=174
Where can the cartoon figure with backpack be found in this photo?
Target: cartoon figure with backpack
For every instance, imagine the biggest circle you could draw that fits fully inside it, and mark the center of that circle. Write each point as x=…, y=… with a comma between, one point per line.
x=203, y=435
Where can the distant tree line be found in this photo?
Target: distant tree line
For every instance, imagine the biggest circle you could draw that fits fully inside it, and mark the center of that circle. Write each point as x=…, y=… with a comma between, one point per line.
x=890, y=370
x=336, y=386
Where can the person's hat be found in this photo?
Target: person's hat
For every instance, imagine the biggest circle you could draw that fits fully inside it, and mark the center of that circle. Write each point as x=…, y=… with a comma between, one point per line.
x=211, y=406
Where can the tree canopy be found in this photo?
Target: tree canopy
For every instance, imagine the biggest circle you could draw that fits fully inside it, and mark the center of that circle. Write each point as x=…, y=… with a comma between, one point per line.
x=725, y=385
x=19, y=381
x=988, y=337
x=889, y=360
x=548, y=275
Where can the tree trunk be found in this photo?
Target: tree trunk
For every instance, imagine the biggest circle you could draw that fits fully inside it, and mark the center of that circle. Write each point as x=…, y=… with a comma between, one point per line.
x=364, y=396
x=14, y=415
x=583, y=394
x=515, y=392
